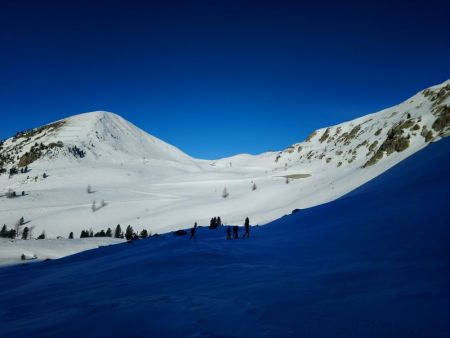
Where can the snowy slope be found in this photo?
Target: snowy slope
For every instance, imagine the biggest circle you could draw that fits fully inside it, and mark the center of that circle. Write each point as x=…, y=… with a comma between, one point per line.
x=11, y=251
x=149, y=184
x=374, y=263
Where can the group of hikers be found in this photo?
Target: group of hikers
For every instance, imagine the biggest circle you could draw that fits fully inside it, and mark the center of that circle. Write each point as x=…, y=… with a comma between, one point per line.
x=232, y=231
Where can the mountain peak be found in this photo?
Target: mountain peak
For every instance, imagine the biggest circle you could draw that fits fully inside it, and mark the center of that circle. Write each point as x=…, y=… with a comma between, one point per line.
x=154, y=183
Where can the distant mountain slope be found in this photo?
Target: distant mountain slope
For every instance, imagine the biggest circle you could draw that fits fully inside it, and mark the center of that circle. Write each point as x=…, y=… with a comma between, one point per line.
x=374, y=263
x=150, y=184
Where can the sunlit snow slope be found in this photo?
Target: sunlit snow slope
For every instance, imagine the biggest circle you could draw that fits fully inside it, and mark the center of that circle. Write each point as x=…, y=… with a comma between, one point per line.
x=374, y=263
x=150, y=184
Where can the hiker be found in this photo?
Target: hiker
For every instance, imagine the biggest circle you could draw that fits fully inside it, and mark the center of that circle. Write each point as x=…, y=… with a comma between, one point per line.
x=235, y=232
x=247, y=228
x=193, y=231
x=228, y=232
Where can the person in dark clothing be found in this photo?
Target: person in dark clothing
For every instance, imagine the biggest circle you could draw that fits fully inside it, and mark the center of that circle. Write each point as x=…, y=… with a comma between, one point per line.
x=193, y=231
x=228, y=232
x=235, y=232
x=247, y=228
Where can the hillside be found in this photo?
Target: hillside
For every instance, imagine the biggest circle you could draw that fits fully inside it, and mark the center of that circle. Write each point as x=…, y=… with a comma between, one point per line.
x=140, y=180
x=374, y=263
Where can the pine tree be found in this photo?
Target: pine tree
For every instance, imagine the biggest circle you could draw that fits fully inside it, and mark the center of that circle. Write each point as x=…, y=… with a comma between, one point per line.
x=109, y=232
x=118, y=233
x=254, y=187
x=42, y=235
x=129, y=232
x=71, y=235
x=12, y=234
x=25, y=233
x=219, y=222
x=144, y=234
x=18, y=226
x=4, y=231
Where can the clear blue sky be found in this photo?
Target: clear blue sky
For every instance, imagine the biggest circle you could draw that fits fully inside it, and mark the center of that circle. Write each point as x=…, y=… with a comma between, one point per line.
x=216, y=78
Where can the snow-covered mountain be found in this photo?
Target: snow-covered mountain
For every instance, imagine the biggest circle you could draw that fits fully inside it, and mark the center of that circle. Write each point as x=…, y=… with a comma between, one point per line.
x=375, y=263
x=150, y=184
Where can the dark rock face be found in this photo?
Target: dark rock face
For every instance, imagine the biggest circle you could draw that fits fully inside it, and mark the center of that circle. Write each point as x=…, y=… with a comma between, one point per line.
x=325, y=135
x=442, y=123
x=396, y=141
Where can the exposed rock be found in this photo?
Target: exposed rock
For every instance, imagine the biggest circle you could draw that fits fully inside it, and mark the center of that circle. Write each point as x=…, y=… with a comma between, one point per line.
x=346, y=138
x=427, y=134
x=32, y=132
x=395, y=142
x=310, y=137
x=373, y=145
x=290, y=150
x=28, y=158
x=325, y=135
x=443, y=121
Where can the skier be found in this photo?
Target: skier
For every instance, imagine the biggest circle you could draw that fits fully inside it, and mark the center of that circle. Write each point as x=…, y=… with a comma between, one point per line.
x=228, y=232
x=247, y=228
x=235, y=232
x=193, y=231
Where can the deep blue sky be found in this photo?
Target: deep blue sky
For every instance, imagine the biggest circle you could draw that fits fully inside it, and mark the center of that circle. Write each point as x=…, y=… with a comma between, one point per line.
x=217, y=78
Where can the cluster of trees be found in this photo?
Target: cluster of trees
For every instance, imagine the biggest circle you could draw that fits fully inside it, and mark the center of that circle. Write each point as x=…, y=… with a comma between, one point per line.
x=130, y=234
x=118, y=233
x=215, y=223
x=18, y=232
x=5, y=233
x=77, y=152
x=12, y=194
x=90, y=233
x=13, y=171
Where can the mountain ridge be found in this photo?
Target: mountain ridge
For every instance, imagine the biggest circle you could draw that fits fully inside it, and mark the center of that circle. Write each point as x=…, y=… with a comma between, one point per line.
x=148, y=183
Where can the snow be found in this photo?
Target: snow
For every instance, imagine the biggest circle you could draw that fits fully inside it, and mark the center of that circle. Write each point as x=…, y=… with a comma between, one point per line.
x=373, y=263
x=150, y=184
x=12, y=250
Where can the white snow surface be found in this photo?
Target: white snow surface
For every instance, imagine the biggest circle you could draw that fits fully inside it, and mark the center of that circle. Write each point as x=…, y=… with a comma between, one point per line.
x=150, y=184
x=38, y=250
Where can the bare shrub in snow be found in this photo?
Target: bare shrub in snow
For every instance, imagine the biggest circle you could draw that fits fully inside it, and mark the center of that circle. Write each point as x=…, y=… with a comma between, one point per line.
x=225, y=193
